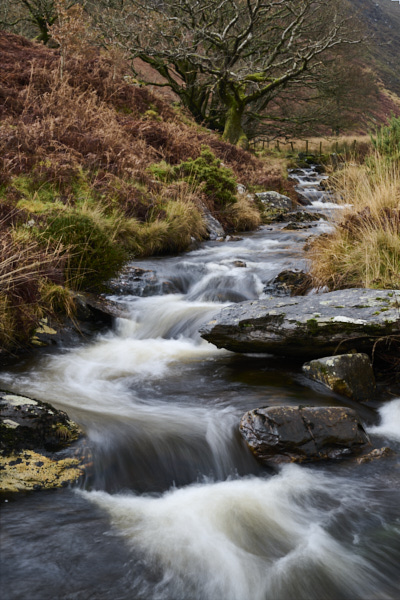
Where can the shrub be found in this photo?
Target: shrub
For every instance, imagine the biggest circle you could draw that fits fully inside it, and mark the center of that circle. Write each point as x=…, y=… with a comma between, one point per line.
x=387, y=141
x=92, y=256
x=218, y=182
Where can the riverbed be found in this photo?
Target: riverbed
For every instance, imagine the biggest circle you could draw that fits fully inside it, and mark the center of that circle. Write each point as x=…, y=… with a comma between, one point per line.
x=174, y=506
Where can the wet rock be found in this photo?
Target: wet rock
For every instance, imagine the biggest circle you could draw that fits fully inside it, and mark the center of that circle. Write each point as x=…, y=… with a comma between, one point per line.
x=28, y=471
x=275, y=200
x=308, y=327
x=375, y=454
x=348, y=374
x=214, y=228
x=282, y=434
x=37, y=448
x=30, y=424
x=292, y=226
x=289, y=283
x=299, y=216
x=140, y=282
x=92, y=306
x=239, y=263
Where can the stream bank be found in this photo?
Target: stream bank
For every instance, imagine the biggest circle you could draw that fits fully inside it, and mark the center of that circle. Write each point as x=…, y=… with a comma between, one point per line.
x=175, y=505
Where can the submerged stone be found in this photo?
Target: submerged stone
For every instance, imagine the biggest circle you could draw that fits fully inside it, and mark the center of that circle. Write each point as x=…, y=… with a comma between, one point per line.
x=348, y=374
x=282, y=434
x=307, y=326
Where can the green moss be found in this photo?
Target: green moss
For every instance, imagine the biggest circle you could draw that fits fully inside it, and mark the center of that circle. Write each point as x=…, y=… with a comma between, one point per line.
x=312, y=326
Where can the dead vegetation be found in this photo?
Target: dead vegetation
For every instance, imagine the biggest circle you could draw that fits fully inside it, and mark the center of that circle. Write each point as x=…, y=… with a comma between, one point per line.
x=76, y=147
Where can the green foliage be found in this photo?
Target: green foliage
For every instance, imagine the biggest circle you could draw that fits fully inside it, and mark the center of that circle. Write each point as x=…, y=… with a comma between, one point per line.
x=218, y=182
x=93, y=256
x=387, y=141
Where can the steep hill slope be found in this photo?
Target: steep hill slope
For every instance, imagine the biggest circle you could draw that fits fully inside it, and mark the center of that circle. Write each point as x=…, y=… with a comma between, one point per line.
x=381, y=21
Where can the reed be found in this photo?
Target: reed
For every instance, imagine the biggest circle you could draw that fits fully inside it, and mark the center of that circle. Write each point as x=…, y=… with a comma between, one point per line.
x=364, y=249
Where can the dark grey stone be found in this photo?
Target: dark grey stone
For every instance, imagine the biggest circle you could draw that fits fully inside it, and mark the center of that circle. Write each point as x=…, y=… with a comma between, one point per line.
x=348, y=374
x=307, y=326
x=283, y=434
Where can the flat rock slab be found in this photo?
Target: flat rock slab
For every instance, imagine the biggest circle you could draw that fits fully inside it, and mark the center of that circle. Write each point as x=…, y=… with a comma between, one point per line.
x=282, y=434
x=348, y=374
x=307, y=326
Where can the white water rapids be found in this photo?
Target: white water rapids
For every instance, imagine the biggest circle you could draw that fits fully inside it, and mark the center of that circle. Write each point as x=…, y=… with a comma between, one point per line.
x=176, y=507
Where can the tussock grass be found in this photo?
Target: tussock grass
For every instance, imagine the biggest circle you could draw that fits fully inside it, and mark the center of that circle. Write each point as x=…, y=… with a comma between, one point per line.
x=25, y=269
x=243, y=214
x=364, y=249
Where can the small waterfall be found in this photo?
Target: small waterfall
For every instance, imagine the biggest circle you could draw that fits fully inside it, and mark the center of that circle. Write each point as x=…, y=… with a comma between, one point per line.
x=175, y=506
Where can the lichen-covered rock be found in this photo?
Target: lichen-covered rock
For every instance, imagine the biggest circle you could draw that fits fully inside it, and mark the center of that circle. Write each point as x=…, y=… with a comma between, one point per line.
x=37, y=445
x=31, y=424
x=30, y=470
x=307, y=326
x=348, y=374
x=282, y=434
x=275, y=200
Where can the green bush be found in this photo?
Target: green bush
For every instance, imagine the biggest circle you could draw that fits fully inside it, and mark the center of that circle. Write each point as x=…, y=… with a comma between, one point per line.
x=218, y=181
x=92, y=256
x=387, y=141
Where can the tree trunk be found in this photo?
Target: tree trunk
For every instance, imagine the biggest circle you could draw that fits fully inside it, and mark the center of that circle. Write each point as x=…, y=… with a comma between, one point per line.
x=233, y=130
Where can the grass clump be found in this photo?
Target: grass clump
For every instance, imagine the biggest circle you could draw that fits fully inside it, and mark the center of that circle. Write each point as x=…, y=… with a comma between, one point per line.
x=93, y=257
x=244, y=214
x=364, y=249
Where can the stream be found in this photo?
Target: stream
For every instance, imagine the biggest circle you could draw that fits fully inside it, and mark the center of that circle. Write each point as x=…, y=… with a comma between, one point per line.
x=175, y=507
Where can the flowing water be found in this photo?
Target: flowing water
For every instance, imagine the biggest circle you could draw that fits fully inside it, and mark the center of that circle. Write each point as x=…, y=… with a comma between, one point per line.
x=175, y=507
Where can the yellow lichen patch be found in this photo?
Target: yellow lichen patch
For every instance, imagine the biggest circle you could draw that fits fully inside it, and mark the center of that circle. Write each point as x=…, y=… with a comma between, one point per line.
x=32, y=471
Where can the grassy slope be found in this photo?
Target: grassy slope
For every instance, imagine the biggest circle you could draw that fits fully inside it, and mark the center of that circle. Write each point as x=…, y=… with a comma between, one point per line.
x=78, y=194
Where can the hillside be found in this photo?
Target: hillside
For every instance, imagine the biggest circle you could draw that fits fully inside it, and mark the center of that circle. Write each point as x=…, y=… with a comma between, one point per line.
x=381, y=20
x=95, y=170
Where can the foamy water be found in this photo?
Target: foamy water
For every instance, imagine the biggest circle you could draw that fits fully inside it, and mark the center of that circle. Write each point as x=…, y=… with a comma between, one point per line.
x=249, y=538
x=389, y=426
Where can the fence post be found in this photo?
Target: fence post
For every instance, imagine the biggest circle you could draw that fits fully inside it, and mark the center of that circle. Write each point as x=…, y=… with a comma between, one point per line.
x=306, y=146
x=277, y=145
x=292, y=147
x=320, y=148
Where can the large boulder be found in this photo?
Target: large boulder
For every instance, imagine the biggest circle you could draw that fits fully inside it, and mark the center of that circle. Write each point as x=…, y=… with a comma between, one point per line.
x=307, y=326
x=275, y=200
x=282, y=434
x=348, y=374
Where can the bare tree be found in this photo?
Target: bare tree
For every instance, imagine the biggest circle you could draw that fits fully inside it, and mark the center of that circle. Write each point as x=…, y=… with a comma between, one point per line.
x=30, y=17
x=227, y=60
